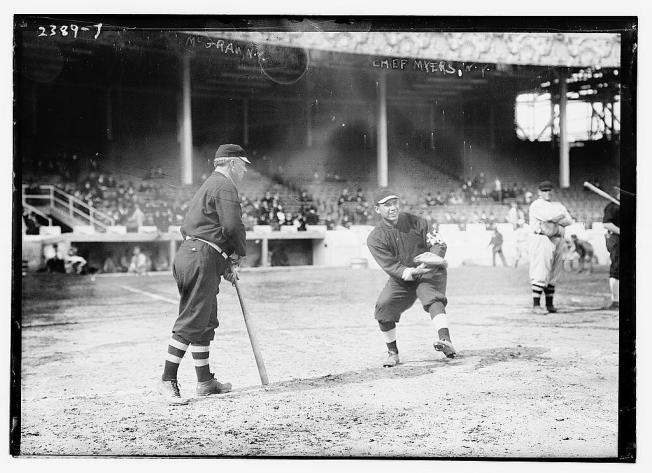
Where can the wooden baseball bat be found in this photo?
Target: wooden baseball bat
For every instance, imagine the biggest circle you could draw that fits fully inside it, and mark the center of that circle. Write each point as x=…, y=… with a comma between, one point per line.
x=252, y=338
x=601, y=193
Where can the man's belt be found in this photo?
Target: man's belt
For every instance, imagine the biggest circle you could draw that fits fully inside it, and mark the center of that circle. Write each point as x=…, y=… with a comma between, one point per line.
x=211, y=244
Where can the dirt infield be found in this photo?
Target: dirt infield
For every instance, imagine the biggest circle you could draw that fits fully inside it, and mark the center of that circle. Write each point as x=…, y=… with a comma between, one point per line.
x=523, y=385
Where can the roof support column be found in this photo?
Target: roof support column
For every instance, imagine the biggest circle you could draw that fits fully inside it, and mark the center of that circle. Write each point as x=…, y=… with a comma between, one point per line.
x=245, y=122
x=564, y=149
x=432, y=125
x=109, y=115
x=186, y=122
x=381, y=135
x=309, y=124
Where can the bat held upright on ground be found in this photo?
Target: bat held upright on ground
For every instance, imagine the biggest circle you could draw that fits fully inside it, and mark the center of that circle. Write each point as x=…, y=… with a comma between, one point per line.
x=252, y=336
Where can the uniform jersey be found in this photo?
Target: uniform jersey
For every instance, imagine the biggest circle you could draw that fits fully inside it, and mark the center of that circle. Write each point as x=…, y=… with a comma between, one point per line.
x=543, y=211
x=612, y=214
x=214, y=214
x=395, y=247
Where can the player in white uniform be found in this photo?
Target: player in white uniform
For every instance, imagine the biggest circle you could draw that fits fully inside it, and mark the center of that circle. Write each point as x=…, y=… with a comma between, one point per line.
x=547, y=221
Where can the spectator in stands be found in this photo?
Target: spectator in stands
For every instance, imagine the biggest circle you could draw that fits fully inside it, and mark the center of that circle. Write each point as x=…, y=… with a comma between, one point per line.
x=301, y=224
x=461, y=222
x=55, y=260
x=430, y=201
x=496, y=245
x=498, y=191
x=31, y=224
x=161, y=220
x=109, y=266
x=267, y=199
x=137, y=217
x=75, y=264
x=304, y=197
x=138, y=263
x=263, y=213
x=329, y=221
x=289, y=221
x=515, y=215
x=311, y=216
x=344, y=197
x=359, y=196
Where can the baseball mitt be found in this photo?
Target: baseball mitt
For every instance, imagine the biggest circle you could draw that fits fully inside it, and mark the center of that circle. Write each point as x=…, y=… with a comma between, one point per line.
x=550, y=229
x=430, y=259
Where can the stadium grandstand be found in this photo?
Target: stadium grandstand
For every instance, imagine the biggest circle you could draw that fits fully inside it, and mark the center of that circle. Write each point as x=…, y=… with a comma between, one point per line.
x=118, y=124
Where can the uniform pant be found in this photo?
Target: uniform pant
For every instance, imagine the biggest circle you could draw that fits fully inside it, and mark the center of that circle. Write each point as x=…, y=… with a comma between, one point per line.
x=397, y=296
x=197, y=269
x=546, y=260
x=613, y=246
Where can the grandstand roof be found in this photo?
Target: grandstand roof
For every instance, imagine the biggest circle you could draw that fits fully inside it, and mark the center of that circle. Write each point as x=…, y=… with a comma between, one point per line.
x=422, y=66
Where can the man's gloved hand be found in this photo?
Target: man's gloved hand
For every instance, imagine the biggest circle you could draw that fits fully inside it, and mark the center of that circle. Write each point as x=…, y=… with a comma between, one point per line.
x=231, y=274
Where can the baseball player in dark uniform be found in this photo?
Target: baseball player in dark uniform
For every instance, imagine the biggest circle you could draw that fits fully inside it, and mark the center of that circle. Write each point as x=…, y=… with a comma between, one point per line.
x=214, y=243
x=611, y=222
x=585, y=253
x=412, y=256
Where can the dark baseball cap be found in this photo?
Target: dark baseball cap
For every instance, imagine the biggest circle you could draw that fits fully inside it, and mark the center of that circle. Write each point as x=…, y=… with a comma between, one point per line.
x=231, y=151
x=384, y=195
x=546, y=186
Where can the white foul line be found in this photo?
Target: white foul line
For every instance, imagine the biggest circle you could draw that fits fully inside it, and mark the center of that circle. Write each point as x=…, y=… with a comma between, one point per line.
x=149, y=294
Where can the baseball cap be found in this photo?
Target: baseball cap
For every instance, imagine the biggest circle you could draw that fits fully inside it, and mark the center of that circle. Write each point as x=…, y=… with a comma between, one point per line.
x=546, y=186
x=383, y=196
x=229, y=151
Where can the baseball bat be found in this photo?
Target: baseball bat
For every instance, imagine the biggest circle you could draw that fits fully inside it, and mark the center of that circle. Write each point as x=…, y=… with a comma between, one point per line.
x=601, y=193
x=252, y=337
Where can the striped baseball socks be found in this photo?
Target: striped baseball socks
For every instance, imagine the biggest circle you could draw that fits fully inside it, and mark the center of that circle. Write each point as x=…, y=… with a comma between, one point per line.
x=550, y=294
x=536, y=295
x=176, y=349
x=200, y=352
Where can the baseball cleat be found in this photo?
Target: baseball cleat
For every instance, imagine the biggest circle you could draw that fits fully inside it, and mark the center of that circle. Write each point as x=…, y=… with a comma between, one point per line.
x=212, y=386
x=538, y=310
x=170, y=391
x=446, y=347
x=551, y=310
x=392, y=360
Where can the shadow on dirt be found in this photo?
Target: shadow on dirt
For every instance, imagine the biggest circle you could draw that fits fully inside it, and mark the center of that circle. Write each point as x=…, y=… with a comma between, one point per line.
x=410, y=369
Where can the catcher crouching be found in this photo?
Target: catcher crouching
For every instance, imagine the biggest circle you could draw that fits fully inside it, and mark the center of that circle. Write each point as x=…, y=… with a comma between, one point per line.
x=413, y=257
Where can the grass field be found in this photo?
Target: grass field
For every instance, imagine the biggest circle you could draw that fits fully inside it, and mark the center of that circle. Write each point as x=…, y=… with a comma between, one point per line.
x=523, y=385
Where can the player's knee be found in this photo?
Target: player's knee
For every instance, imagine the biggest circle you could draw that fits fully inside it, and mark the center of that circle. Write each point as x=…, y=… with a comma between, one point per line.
x=386, y=326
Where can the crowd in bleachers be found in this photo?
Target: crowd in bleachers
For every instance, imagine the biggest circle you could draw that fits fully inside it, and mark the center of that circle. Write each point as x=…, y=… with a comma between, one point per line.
x=281, y=200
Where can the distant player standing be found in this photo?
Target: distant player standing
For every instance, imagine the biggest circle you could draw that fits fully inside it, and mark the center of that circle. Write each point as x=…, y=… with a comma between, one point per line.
x=611, y=221
x=547, y=221
x=413, y=258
